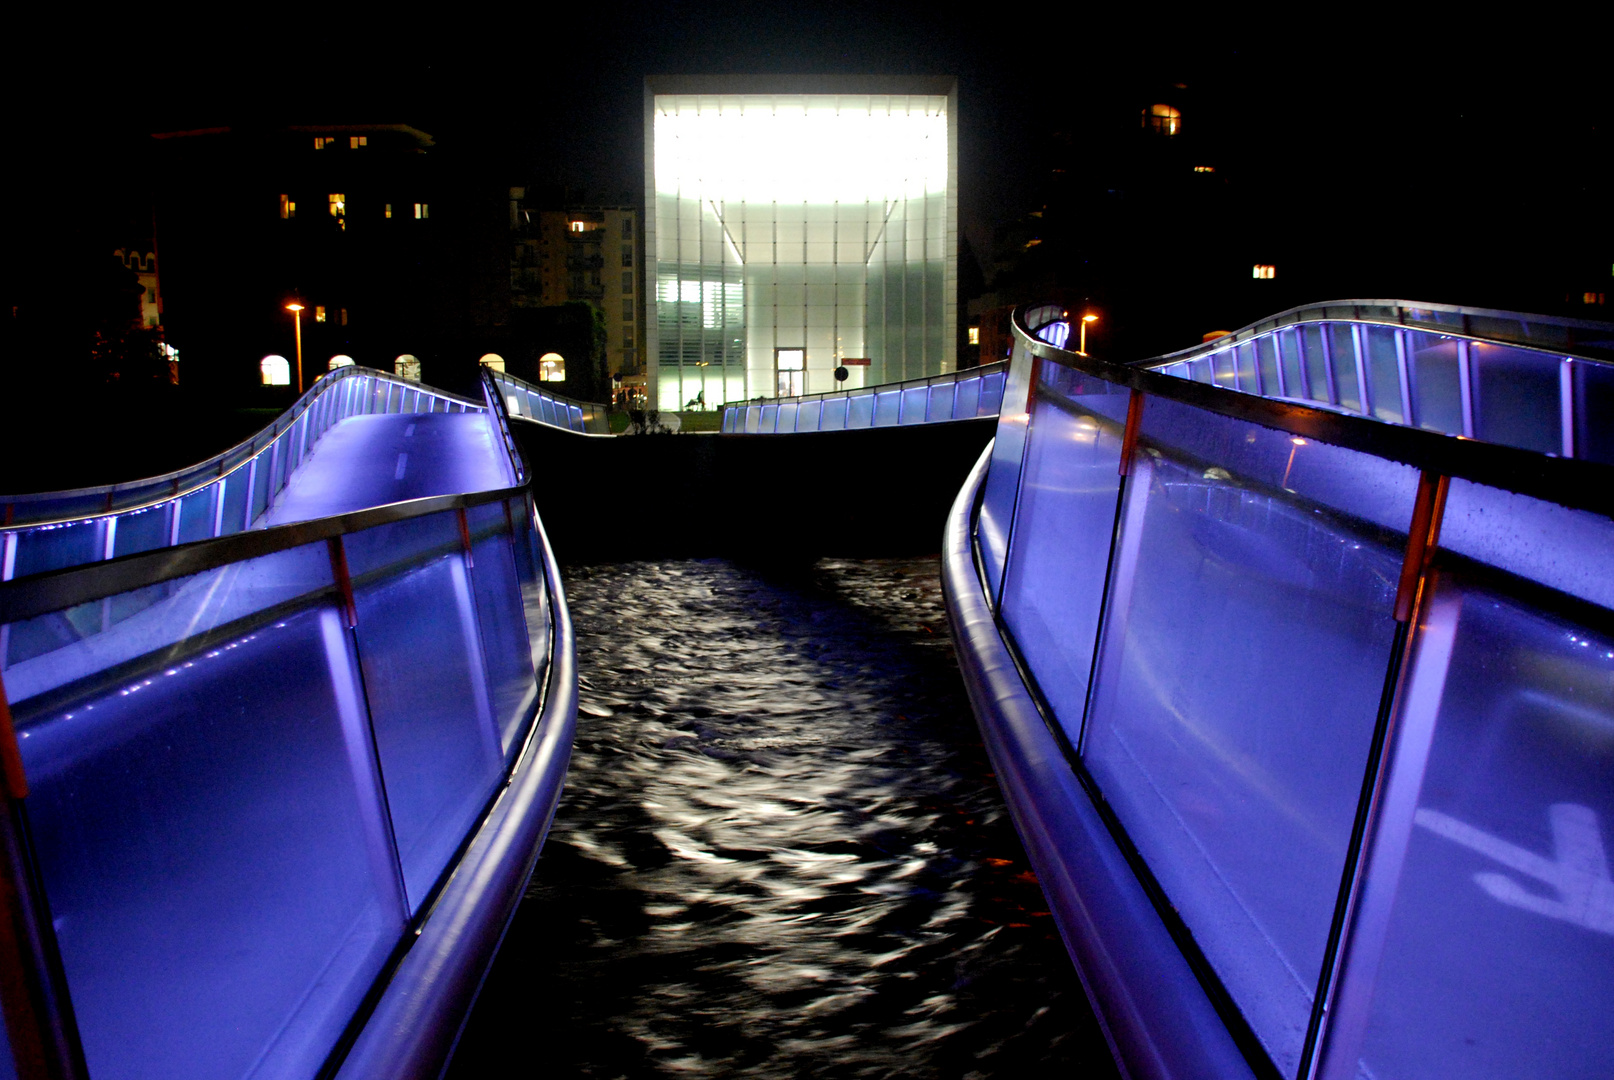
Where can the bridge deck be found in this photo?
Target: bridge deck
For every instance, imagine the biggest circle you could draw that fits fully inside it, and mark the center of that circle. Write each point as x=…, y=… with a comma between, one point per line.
x=429, y=454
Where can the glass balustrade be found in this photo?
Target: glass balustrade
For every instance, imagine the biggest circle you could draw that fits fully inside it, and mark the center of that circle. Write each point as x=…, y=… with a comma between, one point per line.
x=1376, y=821
x=237, y=803
x=962, y=395
x=252, y=765
x=539, y=403
x=226, y=494
x=1516, y=391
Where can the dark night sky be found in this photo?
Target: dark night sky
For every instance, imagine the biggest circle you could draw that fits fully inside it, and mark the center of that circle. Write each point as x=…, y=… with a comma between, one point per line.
x=1366, y=120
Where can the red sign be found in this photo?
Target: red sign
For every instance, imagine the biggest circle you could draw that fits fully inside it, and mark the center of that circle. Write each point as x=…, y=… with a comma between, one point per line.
x=855, y=361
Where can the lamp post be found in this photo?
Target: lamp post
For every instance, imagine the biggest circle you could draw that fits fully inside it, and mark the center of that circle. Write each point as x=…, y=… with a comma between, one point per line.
x=296, y=310
x=1085, y=320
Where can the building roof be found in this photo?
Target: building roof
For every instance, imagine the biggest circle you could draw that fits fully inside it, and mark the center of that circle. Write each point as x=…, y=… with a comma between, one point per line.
x=800, y=84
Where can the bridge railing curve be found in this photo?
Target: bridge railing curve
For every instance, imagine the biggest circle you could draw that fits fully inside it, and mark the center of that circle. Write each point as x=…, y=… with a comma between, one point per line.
x=1528, y=381
x=957, y=395
x=1305, y=719
x=271, y=791
x=540, y=403
x=228, y=493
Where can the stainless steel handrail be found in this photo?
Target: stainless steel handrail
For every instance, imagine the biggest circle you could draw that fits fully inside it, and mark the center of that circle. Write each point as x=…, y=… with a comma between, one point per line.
x=593, y=413
x=171, y=485
x=923, y=380
x=1375, y=311
x=1572, y=482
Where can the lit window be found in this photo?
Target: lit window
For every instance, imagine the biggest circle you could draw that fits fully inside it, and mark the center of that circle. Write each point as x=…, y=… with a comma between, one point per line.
x=407, y=366
x=344, y=316
x=356, y=141
x=319, y=313
x=388, y=211
x=287, y=208
x=339, y=360
x=276, y=371
x=627, y=311
x=1204, y=168
x=551, y=368
x=975, y=335
x=338, y=206
x=321, y=142
x=578, y=226
x=790, y=364
x=422, y=211
x=1162, y=120
x=1264, y=271
x=1592, y=298
x=627, y=282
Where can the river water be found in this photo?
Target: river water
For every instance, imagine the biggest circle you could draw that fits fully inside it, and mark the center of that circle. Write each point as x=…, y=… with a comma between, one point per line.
x=780, y=852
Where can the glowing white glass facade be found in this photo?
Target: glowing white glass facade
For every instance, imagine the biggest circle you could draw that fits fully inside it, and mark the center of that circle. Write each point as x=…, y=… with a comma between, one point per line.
x=788, y=231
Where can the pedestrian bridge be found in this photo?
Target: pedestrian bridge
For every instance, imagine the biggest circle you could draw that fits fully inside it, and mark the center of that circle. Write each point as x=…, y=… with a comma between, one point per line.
x=1294, y=656
x=1292, y=651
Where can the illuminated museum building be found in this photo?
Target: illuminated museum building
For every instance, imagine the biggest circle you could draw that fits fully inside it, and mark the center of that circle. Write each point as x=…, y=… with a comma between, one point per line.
x=794, y=225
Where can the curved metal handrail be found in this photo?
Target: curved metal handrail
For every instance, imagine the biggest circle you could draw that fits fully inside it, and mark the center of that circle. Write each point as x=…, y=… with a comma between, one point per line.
x=153, y=491
x=416, y=1005
x=1415, y=375
x=56, y=537
x=1572, y=482
x=1479, y=324
x=735, y=416
x=590, y=416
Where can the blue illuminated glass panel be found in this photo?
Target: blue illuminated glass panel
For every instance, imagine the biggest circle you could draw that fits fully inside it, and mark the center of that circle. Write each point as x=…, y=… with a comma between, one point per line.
x=143, y=530
x=1383, y=372
x=1594, y=411
x=232, y=902
x=968, y=400
x=1436, y=384
x=1342, y=355
x=1266, y=355
x=1003, y=476
x=915, y=400
x=860, y=411
x=502, y=623
x=1247, y=636
x=991, y=394
x=534, y=594
x=434, y=729
x=57, y=546
x=887, y=407
x=235, y=501
x=1319, y=387
x=1499, y=955
x=1286, y=354
x=1061, y=544
x=1517, y=398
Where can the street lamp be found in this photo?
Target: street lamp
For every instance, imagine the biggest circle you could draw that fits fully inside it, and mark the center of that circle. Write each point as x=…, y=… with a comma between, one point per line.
x=1085, y=320
x=296, y=310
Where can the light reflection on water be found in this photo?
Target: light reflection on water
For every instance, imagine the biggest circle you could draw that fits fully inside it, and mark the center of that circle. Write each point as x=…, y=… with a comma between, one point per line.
x=781, y=851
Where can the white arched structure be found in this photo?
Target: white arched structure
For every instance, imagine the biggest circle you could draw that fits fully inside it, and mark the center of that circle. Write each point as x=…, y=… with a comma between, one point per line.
x=492, y=360
x=276, y=370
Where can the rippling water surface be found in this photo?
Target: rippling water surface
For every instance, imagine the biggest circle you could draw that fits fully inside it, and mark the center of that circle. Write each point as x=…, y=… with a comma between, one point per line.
x=780, y=852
